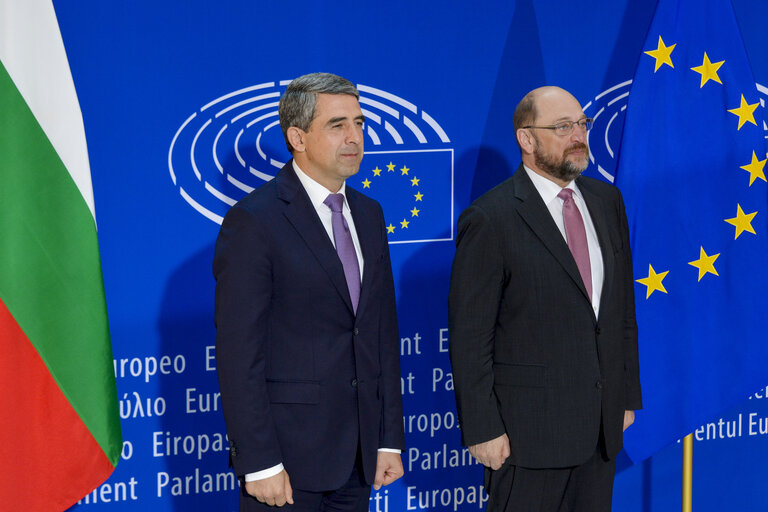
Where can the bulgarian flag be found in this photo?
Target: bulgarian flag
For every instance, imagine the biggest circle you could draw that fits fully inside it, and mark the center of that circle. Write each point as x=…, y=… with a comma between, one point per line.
x=59, y=423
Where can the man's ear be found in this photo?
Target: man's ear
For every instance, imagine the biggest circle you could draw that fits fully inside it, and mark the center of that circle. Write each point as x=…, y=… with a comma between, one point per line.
x=298, y=138
x=526, y=140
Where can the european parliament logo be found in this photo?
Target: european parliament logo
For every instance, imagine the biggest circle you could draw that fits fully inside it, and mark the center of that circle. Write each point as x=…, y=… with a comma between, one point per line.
x=233, y=144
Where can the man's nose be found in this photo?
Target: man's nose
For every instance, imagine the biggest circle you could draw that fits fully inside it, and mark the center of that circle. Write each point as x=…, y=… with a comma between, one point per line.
x=579, y=134
x=355, y=134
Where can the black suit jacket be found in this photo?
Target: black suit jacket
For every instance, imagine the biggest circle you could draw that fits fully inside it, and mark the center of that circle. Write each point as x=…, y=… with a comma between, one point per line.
x=303, y=378
x=529, y=357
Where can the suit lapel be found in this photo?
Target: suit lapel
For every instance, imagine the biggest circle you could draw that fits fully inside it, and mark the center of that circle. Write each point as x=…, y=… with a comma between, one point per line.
x=535, y=213
x=597, y=211
x=302, y=215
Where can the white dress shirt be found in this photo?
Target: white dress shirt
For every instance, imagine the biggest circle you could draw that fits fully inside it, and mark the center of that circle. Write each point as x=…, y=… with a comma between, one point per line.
x=548, y=191
x=317, y=194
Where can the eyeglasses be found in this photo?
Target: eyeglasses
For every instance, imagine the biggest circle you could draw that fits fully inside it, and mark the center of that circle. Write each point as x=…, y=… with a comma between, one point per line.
x=565, y=128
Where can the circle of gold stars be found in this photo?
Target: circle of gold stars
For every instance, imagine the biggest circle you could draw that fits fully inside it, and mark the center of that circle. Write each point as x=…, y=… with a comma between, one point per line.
x=742, y=222
x=418, y=197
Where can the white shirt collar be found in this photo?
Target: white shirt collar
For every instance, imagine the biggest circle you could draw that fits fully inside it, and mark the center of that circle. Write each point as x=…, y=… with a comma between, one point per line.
x=547, y=188
x=317, y=193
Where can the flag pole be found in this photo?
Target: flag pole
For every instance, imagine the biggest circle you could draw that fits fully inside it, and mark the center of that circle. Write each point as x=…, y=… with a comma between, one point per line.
x=687, y=472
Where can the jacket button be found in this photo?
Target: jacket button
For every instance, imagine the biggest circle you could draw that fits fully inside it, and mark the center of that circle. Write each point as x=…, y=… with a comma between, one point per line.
x=597, y=331
x=356, y=331
x=354, y=383
x=599, y=384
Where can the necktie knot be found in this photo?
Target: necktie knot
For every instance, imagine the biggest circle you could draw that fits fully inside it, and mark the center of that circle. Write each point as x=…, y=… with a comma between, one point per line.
x=334, y=202
x=565, y=194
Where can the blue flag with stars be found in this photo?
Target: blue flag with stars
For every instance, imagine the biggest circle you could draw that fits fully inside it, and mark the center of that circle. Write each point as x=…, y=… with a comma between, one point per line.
x=691, y=169
x=415, y=189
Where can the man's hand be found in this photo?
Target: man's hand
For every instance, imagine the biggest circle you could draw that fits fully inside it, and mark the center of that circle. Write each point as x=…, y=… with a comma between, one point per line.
x=275, y=491
x=492, y=453
x=389, y=467
x=629, y=418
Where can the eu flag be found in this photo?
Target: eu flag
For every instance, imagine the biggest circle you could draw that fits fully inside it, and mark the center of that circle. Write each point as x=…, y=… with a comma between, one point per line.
x=415, y=189
x=691, y=169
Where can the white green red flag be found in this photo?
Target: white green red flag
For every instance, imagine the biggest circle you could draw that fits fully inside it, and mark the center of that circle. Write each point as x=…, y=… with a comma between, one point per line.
x=60, y=428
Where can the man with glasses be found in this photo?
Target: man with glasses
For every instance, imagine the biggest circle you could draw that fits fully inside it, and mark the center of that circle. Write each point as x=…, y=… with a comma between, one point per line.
x=542, y=321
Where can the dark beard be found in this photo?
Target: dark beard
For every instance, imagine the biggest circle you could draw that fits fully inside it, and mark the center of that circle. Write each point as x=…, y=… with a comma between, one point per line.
x=563, y=169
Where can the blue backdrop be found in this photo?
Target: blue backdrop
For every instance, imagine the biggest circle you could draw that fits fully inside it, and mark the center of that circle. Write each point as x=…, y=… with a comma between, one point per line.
x=179, y=103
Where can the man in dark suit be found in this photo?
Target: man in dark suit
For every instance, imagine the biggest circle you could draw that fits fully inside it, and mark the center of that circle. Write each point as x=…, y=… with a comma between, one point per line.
x=543, y=338
x=307, y=344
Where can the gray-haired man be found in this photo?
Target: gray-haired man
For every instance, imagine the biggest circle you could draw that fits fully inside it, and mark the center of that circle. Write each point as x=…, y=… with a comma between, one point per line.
x=307, y=345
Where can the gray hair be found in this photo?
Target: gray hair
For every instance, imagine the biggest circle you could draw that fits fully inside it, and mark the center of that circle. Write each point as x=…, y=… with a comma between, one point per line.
x=297, y=105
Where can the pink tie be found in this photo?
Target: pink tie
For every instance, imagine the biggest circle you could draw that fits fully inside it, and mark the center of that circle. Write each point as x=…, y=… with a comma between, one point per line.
x=576, y=236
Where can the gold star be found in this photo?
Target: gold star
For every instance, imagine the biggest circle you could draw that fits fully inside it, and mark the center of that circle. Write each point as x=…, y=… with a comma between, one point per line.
x=404, y=224
x=418, y=196
x=653, y=281
x=708, y=70
x=755, y=168
x=746, y=112
x=415, y=212
x=390, y=228
x=705, y=264
x=404, y=170
x=377, y=171
x=662, y=54
x=391, y=167
x=415, y=182
x=366, y=183
x=742, y=221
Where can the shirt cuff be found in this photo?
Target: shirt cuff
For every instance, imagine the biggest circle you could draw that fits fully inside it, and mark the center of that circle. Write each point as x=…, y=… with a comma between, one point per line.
x=264, y=473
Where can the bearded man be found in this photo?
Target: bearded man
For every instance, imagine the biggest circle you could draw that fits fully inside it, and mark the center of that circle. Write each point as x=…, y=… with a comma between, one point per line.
x=543, y=338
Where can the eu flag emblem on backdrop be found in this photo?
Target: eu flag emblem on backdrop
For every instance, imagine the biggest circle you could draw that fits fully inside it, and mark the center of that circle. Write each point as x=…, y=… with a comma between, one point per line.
x=415, y=190
x=691, y=169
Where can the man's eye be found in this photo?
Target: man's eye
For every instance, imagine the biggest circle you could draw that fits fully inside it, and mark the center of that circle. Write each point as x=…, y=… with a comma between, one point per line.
x=562, y=127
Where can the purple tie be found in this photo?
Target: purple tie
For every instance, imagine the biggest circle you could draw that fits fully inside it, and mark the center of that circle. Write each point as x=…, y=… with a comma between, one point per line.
x=576, y=236
x=345, y=247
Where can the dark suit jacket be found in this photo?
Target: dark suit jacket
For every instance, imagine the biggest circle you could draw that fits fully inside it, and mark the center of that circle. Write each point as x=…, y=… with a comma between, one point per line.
x=529, y=357
x=302, y=377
